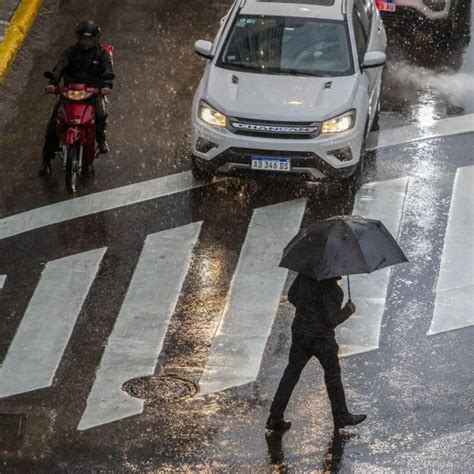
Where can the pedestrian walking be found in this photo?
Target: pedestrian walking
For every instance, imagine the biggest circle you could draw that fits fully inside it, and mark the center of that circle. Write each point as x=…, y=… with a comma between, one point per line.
x=344, y=245
x=318, y=312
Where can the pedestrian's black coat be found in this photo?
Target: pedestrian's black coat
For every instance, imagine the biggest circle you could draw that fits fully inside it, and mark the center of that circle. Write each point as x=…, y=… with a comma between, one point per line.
x=318, y=312
x=318, y=306
x=83, y=66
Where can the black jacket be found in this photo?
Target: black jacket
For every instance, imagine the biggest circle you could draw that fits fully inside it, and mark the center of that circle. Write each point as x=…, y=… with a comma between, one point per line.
x=318, y=306
x=83, y=66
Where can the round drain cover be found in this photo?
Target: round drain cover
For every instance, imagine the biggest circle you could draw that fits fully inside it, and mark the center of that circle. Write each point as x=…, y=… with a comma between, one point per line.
x=161, y=387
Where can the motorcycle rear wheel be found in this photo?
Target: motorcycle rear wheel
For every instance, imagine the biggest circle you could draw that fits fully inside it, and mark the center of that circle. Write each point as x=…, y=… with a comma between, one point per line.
x=72, y=168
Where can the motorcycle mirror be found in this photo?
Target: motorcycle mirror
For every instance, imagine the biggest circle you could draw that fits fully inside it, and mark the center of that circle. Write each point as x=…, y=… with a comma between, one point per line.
x=48, y=75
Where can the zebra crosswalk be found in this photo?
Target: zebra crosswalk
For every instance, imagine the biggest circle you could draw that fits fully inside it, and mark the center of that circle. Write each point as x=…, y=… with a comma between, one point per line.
x=40, y=341
x=455, y=287
x=238, y=346
x=236, y=352
x=137, y=338
x=2, y=280
x=384, y=201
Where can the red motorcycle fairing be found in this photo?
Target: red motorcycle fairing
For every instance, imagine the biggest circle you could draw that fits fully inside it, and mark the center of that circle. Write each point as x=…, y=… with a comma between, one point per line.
x=76, y=123
x=72, y=135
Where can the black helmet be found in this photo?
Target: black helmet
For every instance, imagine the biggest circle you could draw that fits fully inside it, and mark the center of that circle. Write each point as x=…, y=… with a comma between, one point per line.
x=88, y=28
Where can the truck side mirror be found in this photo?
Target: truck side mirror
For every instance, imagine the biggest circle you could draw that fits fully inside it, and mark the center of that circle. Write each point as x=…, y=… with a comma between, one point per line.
x=373, y=59
x=203, y=48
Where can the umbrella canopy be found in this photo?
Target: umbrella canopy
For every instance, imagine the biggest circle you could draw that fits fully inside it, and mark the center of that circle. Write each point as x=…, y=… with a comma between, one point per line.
x=342, y=246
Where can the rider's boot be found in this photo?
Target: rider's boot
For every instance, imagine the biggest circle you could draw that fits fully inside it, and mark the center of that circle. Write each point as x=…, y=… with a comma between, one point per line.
x=103, y=147
x=101, y=137
x=45, y=167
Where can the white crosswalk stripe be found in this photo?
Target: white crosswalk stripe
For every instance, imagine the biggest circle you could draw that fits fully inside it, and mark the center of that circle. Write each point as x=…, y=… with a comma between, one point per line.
x=3, y=278
x=137, y=337
x=237, y=349
x=360, y=333
x=39, y=343
x=413, y=133
x=455, y=287
x=98, y=202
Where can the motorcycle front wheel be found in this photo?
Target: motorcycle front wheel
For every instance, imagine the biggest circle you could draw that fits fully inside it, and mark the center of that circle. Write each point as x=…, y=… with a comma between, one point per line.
x=73, y=167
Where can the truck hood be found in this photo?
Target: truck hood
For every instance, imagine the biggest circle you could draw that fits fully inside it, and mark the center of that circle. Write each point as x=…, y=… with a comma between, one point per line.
x=277, y=97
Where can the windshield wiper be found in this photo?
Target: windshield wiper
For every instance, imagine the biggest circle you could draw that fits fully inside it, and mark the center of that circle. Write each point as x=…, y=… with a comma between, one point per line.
x=296, y=72
x=252, y=69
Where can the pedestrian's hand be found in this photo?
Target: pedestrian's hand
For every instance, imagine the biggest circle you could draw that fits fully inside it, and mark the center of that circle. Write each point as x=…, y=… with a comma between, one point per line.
x=351, y=307
x=50, y=89
x=106, y=91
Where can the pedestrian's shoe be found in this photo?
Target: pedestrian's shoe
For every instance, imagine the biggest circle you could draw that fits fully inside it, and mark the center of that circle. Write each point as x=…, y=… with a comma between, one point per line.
x=348, y=420
x=103, y=147
x=274, y=424
x=45, y=168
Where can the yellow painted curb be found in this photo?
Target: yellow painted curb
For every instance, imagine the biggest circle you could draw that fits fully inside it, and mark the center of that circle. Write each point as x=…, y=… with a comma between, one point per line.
x=20, y=24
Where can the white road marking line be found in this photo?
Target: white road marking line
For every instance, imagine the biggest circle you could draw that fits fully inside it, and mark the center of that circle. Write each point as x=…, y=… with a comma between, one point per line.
x=455, y=287
x=181, y=182
x=360, y=333
x=412, y=133
x=97, y=202
x=237, y=349
x=2, y=280
x=137, y=338
x=39, y=343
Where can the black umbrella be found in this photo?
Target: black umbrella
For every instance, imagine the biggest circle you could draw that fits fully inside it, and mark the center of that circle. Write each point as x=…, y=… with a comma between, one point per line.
x=342, y=246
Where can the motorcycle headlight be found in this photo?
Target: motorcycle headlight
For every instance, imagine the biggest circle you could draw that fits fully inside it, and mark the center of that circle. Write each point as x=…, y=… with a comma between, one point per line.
x=339, y=124
x=77, y=95
x=211, y=116
x=435, y=5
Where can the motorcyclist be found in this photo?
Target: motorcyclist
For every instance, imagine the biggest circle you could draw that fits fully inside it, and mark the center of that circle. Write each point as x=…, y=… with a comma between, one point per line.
x=86, y=63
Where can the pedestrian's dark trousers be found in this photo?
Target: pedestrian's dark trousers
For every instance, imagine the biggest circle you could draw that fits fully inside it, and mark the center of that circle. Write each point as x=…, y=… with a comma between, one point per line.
x=51, y=140
x=301, y=351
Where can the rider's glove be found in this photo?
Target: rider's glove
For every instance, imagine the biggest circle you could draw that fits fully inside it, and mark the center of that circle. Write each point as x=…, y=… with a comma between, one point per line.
x=106, y=91
x=50, y=88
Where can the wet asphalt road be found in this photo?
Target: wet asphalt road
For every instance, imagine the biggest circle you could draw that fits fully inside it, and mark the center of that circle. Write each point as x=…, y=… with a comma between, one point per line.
x=417, y=390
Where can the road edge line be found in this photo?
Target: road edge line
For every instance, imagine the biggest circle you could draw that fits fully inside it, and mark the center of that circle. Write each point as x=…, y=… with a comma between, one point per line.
x=20, y=24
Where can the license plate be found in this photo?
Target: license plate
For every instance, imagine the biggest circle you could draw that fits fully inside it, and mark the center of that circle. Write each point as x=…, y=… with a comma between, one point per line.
x=387, y=7
x=270, y=164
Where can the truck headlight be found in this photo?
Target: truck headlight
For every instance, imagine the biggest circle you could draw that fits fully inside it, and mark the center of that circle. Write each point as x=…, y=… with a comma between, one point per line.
x=339, y=124
x=211, y=116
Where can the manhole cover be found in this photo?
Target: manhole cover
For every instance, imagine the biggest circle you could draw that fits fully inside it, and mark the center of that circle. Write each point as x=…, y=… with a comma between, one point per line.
x=167, y=388
x=11, y=431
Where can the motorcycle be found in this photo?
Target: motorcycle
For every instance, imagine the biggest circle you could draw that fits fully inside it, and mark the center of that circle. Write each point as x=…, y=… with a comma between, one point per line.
x=76, y=130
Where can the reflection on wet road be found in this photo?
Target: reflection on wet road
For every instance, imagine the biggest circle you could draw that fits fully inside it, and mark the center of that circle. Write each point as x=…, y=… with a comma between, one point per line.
x=148, y=272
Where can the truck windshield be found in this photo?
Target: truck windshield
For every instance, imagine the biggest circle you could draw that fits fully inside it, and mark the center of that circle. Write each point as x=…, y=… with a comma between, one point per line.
x=287, y=45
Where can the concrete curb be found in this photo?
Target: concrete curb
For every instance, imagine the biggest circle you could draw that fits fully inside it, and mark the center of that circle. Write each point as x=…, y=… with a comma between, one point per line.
x=20, y=24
